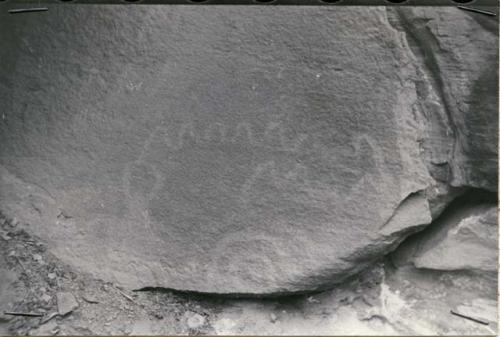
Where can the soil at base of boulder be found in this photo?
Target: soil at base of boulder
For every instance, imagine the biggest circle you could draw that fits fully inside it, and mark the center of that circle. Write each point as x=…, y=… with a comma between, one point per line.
x=382, y=300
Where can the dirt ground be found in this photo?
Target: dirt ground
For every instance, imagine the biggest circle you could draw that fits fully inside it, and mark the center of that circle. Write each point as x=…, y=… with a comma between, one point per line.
x=383, y=300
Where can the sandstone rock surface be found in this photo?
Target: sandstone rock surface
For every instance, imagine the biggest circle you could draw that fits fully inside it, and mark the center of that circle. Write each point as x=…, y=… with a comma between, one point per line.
x=465, y=238
x=244, y=151
x=458, y=55
x=471, y=244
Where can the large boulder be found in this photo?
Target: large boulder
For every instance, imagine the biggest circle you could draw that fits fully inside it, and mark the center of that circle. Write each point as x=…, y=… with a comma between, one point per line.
x=234, y=150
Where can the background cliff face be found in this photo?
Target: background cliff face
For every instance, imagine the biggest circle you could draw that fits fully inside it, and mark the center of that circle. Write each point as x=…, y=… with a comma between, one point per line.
x=243, y=151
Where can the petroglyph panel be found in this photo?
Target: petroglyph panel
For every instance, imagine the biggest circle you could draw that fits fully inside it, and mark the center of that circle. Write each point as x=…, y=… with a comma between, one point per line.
x=216, y=150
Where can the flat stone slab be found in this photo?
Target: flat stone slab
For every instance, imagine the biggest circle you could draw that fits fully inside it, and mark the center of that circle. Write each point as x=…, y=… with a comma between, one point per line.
x=467, y=243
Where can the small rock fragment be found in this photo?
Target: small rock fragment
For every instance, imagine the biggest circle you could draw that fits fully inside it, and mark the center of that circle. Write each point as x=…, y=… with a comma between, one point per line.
x=273, y=318
x=52, y=276
x=158, y=315
x=46, y=298
x=37, y=257
x=66, y=303
x=311, y=299
x=194, y=320
x=46, y=329
x=5, y=236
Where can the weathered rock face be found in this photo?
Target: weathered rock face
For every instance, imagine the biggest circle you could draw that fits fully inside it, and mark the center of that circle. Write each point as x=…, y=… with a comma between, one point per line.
x=230, y=150
x=471, y=244
x=458, y=57
x=465, y=237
